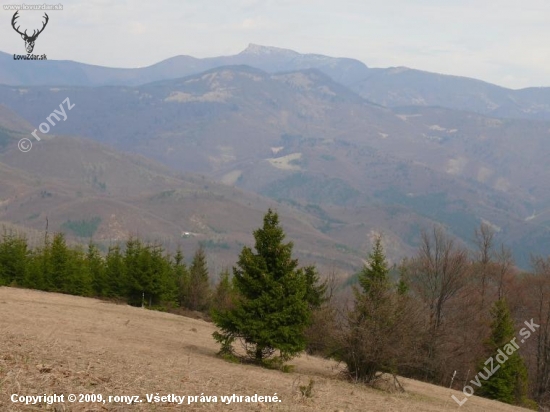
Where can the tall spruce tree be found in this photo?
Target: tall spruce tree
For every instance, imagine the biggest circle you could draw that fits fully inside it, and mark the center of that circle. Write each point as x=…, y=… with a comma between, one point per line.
x=198, y=297
x=509, y=383
x=79, y=279
x=271, y=312
x=374, y=278
x=316, y=291
x=320, y=332
x=38, y=269
x=14, y=257
x=59, y=259
x=95, y=265
x=181, y=276
x=134, y=267
x=368, y=340
x=224, y=295
x=163, y=284
x=115, y=273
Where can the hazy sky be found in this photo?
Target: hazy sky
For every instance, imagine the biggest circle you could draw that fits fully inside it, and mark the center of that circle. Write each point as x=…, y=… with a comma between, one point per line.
x=501, y=41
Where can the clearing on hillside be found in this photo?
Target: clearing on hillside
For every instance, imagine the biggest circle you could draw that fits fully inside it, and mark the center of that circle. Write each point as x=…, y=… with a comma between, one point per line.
x=59, y=344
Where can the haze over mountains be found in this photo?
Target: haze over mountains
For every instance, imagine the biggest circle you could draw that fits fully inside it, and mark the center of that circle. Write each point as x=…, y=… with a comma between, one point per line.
x=343, y=150
x=392, y=87
x=110, y=196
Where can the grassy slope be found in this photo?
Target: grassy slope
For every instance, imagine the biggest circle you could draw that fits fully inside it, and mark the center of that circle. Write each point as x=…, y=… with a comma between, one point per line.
x=55, y=343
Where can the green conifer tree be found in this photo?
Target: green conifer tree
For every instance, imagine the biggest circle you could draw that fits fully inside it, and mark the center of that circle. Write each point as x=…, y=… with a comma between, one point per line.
x=42, y=267
x=320, y=331
x=78, y=279
x=134, y=265
x=95, y=265
x=509, y=383
x=59, y=256
x=225, y=294
x=37, y=268
x=181, y=276
x=271, y=312
x=316, y=293
x=115, y=273
x=163, y=289
x=199, y=282
x=374, y=278
x=367, y=341
x=14, y=257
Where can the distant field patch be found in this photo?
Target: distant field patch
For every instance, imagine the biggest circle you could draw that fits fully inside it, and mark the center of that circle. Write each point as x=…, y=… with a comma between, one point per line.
x=406, y=117
x=215, y=96
x=231, y=177
x=285, y=162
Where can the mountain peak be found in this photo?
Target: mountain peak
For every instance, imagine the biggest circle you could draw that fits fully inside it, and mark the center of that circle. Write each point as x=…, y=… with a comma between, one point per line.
x=256, y=49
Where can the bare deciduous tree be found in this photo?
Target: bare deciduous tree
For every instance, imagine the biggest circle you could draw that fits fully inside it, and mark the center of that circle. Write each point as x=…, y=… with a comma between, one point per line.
x=505, y=267
x=483, y=262
x=540, y=287
x=438, y=273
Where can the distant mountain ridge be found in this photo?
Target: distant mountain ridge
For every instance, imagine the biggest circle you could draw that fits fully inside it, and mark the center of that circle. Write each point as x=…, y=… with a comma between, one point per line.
x=401, y=87
x=391, y=87
x=270, y=59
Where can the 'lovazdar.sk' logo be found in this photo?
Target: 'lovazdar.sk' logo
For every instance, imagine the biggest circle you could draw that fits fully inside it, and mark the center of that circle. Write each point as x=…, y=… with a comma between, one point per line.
x=29, y=40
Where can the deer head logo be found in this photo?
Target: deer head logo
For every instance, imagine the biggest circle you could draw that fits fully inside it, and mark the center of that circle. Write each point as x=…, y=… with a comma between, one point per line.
x=29, y=40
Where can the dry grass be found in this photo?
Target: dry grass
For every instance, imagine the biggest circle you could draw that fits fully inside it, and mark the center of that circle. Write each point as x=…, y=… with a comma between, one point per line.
x=53, y=343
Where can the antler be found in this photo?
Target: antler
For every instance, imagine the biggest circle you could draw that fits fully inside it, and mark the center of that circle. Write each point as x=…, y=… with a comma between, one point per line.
x=35, y=35
x=15, y=16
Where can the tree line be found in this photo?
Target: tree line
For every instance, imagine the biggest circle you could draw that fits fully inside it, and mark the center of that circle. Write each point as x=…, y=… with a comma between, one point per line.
x=138, y=273
x=439, y=316
x=446, y=315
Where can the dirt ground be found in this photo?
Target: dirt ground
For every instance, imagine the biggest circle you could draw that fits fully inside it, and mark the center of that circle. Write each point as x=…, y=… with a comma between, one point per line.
x=59, y=344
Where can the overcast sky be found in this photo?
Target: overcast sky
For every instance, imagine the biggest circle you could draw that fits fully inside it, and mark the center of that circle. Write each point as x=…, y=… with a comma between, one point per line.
x=501, y=41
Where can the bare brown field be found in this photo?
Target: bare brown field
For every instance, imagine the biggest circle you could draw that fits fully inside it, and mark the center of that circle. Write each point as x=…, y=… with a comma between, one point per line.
x=52, y=343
